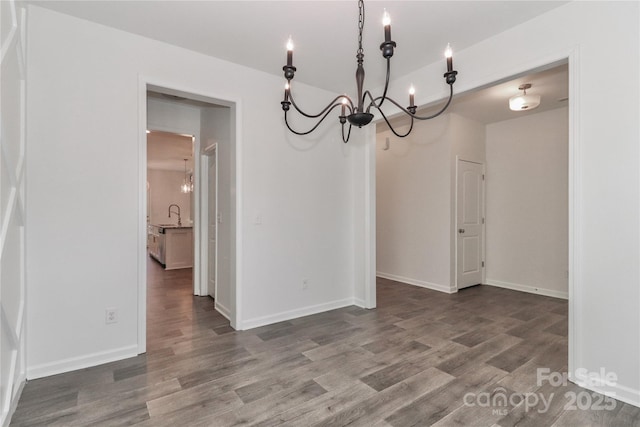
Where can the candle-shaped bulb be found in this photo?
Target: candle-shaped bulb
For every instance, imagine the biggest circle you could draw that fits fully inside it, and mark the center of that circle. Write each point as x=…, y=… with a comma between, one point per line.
x=386, y=21
x=286, y=92
x=448, y=53
x=344, y=105
x=412, y=92
x=289, y=52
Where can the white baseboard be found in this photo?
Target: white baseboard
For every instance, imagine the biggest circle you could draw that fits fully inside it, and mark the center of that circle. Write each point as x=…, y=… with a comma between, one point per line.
x=409, y=281
x=359, y=303
x=617, y=391
x=294, y=314
x=81, y=362
x=529, y=289
x=222, y=310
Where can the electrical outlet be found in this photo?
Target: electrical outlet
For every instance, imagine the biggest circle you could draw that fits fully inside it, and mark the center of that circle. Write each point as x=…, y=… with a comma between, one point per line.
x=305, y=284
x=110, y=316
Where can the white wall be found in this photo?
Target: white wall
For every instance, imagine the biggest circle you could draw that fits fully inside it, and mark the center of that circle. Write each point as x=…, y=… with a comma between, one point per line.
x=362, y=199
x=173, y=117
x=527, y=203
x=12, y=207
x=216, y=125
x=413, y=204
x=164, y=190
x=602, y=38
x=301, y=188
x=415, y=181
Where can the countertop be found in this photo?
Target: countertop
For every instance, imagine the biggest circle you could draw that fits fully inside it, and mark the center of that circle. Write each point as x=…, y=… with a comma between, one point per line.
x=171, y=226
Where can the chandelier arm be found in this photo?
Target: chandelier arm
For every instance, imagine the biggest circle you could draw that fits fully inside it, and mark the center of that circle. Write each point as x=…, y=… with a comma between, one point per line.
x=391, y=127
x=313, y=128
x=386, y=84
x=348, y=134
x=329, y=107
x=433, y=116
x=384, y=93
x=407, y=112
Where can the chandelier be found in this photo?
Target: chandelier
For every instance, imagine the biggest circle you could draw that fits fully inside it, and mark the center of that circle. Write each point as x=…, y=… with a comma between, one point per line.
x=359, y=112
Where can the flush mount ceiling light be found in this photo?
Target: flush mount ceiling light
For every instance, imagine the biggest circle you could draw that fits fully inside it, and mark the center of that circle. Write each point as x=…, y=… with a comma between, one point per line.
x=187, y=185
x=359, y=112
x=524, y=102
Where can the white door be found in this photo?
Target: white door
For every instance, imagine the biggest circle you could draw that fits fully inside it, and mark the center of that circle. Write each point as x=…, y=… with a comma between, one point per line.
x=212, y=223
x=469, y=224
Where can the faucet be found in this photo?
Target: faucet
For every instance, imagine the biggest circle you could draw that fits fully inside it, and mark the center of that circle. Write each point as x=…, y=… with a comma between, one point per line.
x=170, y=212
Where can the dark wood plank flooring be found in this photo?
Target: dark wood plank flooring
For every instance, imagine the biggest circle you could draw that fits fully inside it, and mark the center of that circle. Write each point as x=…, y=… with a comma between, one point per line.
x=413, y=361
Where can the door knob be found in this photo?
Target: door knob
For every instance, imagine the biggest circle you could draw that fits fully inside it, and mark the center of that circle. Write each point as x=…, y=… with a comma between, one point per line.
x=461, y=230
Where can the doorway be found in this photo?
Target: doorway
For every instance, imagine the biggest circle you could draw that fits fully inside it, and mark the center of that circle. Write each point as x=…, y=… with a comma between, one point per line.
x=170, y=190
x=513, y=208
x=430, y=192
x=211, y=122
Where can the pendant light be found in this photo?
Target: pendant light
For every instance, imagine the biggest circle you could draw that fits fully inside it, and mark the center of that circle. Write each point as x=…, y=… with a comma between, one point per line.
x=187, y=185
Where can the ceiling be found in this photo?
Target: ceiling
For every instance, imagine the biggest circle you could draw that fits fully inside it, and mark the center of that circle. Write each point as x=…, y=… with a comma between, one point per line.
x=167, y=151
x=254, y=33
x=491, y=104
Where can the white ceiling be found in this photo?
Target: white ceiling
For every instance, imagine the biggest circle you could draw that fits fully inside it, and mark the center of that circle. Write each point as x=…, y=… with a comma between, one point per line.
x=491, y=104
x=254, y=33
x=167, y=151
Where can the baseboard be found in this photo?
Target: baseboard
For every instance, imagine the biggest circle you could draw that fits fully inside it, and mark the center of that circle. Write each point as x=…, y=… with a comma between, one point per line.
x=294, y=314
x=14, y=401
x=415, y=282
x=222, y=310
x=359, y=303
x=617, y=391
x=75, y=363
x=527, y=288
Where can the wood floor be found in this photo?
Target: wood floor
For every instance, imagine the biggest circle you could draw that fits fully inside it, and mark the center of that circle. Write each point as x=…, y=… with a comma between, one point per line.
x=421, y=358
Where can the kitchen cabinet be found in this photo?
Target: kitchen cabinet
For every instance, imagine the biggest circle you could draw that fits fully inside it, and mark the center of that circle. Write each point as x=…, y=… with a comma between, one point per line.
x=153, y=242
x=171, y=245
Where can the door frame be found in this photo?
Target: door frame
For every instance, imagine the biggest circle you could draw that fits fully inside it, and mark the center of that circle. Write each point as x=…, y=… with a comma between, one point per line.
x=455, y=222
x=207, y=152
x=200, y=94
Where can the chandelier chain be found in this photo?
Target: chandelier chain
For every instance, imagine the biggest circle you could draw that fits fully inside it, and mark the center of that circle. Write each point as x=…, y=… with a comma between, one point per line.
x=360, y=24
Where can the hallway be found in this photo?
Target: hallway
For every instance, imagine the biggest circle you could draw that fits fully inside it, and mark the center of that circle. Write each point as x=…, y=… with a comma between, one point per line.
x=174, y=314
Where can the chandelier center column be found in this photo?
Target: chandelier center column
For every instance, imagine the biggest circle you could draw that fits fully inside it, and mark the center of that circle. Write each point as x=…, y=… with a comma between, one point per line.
x=360, y=81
